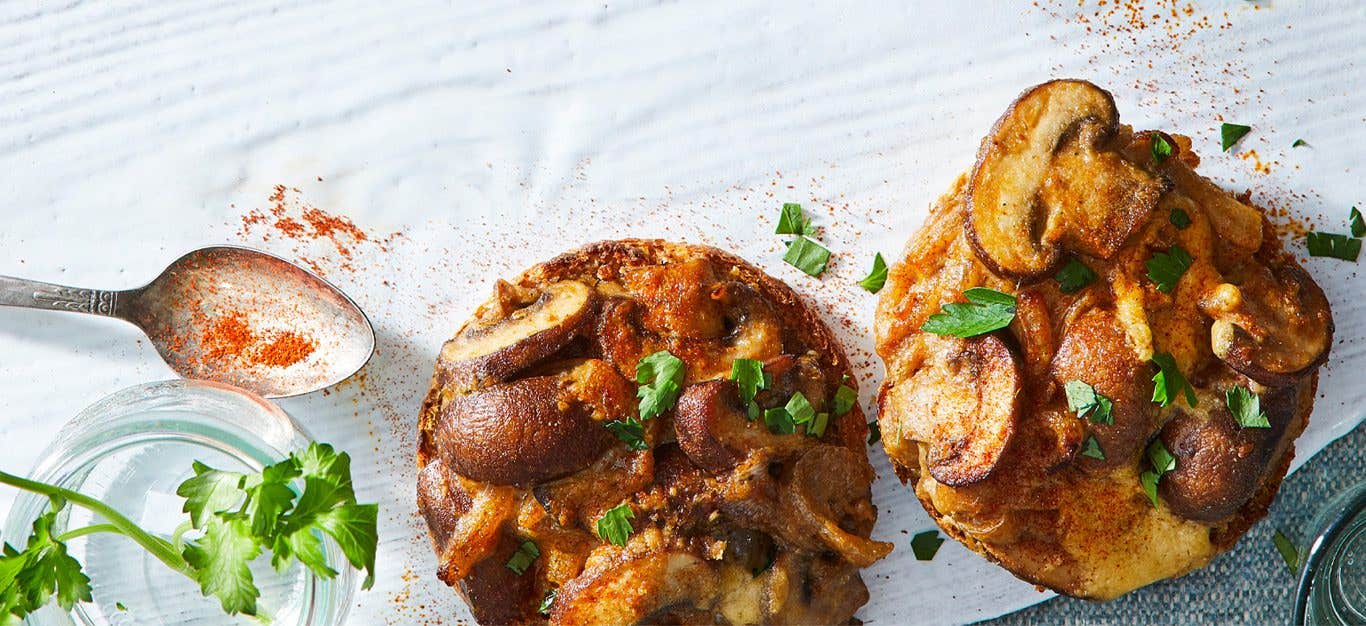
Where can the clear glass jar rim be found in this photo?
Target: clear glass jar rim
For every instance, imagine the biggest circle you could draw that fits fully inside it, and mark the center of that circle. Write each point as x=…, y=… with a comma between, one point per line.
x=1332, y=521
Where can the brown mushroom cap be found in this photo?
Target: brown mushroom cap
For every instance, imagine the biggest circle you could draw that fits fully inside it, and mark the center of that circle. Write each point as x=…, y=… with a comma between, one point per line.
x=1095, y=350
x=530, y=430
x=1046, y=181
x=1275, y=327
x=519, y=335
x=495, y=593
x=1219, y=464
x=965, y=405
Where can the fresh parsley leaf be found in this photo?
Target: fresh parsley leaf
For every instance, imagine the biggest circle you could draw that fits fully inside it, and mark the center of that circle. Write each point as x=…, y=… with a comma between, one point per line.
x=355, y=529
x=845, y=399
x=874, y=432
x=547, y=602
x=792, y=222
x=1298, y=143
x=269, y=496
x=1358, y=224
x=1074, y=276
x=1149, y=480
x=779, y=421
x=1246, y=408
x=986, y=310
x=614, y=526
x=807, y=256
x=800, y=408
x=1165, y=269
x=1083, y=399
x=1290, y=553
x=749, y=376
x=210, y=491
x=30, y=578
x=220, y=559
x=877, y=277
x=1179, y=218
x=523, y=558
x=1161, y=461
x=1168, y=381
x=1160, y=148
x=1091, y=448
x=818, y=424
x=1333, y=245
x=661, y=378
x=1159, y=457
x=1229, y=134
x=630, y=432
x=926, y=544
x=119, y=606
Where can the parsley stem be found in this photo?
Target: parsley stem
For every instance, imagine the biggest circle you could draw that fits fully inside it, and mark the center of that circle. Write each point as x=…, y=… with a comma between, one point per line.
x=89, y=530
x=160, y=548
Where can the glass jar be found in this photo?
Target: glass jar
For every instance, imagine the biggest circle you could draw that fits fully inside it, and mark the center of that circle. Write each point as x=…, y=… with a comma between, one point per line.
x=131, y=450
x=1332, y=587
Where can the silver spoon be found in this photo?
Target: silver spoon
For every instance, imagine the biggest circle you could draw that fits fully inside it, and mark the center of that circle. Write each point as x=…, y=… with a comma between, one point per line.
x=231, y=315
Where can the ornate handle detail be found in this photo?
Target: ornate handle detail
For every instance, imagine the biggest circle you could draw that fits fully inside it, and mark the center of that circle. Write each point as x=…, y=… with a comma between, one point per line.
x=39, y=295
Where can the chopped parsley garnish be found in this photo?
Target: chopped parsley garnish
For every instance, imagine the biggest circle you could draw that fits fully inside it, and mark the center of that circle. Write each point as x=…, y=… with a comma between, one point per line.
x=1091, y=448
x=807, y=256
x=749, y=376
x=779, y=421
x=1161, y=149
x=874, y=432
x=1358, y=224
x=1168, y=381
x=800, y=409
x=1290, y=553
x=629, y=431
x=1246, y=408
x=547, y=602
x=1161, y=461
x=792, y=222
x=1074, y=276
x=1179, y=218
x=615, y=525
x=1298, y=143
x=1333, y=245
x=523, y=558
x=1165, y=269
x=817, y=426
x=660, y=376
x=926, y=544
x=1229, y=134
x=120, y=606
x=1083, y=399
x=845, y=399
x=877, y=277
x=986, y=310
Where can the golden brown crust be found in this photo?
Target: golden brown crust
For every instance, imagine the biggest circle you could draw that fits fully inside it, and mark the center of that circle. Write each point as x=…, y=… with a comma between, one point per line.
x=1079, y=525
x=724, y=499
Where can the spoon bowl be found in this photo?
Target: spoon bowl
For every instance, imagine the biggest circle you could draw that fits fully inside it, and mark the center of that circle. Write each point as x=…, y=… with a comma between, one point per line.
x=232, y=315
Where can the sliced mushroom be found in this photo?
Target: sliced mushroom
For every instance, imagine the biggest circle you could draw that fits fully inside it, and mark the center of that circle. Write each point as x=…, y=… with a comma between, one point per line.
x=533, y=429
x=517, y=337
x=831, y=492
x=1047, y=181
x=1033, y=331
x=632, y=589
x=1219, y=465
x=465, y=518
x=1275, y=327
x=789, y=374
x=715, y=432
x=964, y=402
x=1095, y=350
x=495, y=593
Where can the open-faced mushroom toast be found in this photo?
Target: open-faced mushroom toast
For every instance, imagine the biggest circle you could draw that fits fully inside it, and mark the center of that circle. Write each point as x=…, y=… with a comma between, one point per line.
x=1097, y=360
x=641, y=431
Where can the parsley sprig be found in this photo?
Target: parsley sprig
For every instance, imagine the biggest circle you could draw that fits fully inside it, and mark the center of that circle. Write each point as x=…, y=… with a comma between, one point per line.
x=877, y=277
x=660, y=376
x=1168, y=382
x=240, y=516
x=1161, y=461
x=1083, y=400
x=803, y=252
x=1246, y=408
x=1166, y=268
x=985, y=311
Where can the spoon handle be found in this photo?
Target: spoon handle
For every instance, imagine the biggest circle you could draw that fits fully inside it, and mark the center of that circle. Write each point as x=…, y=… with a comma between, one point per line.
x=33, y=294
